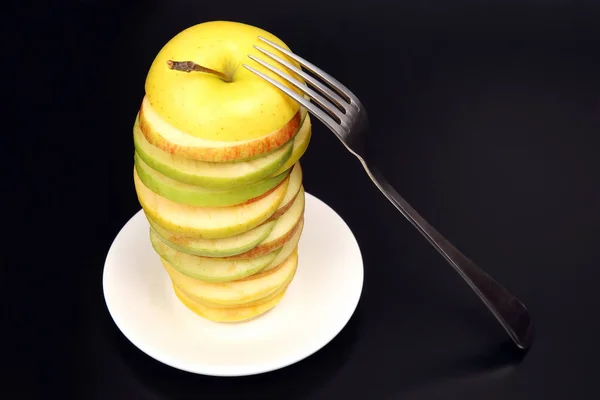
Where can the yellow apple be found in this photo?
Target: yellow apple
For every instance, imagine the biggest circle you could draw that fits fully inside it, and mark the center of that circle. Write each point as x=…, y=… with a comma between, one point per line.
x=224, y=115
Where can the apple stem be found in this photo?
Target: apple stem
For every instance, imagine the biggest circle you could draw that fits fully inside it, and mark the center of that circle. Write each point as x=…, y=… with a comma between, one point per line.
x=189, y=66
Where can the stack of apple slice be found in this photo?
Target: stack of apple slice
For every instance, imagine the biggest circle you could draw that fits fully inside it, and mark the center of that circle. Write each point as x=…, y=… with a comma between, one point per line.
x=225, y=215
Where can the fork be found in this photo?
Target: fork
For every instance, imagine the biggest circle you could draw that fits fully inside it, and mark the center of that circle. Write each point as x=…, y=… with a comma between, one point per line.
x=342, y=112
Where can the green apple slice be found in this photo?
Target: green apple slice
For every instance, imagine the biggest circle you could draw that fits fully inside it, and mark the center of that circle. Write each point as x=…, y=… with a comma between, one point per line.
x=193, y=195
x=210, y=174
x=209, y=269
x=209, y=222
x=215, y=247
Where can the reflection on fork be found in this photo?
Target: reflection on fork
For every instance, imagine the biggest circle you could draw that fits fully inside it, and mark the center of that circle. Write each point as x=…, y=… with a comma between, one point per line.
x=341, y=111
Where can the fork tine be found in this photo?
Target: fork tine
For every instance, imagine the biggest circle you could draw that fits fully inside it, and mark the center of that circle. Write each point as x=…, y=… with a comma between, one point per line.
x=334, y=97
x=333, y=111
x=316, y=111
x=335, y=84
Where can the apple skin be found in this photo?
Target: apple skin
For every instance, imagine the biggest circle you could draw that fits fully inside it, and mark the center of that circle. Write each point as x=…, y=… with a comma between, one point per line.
x=216, y=175
x=214, y=247
x=194, y=195
x=174, y=141
x=209, y=222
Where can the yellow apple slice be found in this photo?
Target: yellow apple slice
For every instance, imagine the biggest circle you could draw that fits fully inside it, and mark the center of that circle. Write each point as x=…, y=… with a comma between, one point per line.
x=215, y=247
x=194, y=195
x=215, y=175
x=285, y=227
x=209, y=222
x=210, y=269
x=237, y=314
x=236, y=292
x=301, y=141
x=166, y=137
x=266, y=298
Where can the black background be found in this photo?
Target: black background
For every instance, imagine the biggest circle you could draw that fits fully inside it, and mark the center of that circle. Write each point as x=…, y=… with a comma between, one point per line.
x=484, y=115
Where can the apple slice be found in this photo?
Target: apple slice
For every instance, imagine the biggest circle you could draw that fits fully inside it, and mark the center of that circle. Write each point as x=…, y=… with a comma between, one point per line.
x=293, y=190
x=234, y=293
x=193, y=195
x=209, y=222
x=288, y=248
x=285, y=227
x=214, y=175
x=210, y=269
x=215, y=247
x=301, y=141
x=237, y=314
x=166, y=137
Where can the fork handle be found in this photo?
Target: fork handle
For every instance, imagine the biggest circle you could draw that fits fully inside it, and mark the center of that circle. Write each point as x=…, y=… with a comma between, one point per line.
x=508, y=310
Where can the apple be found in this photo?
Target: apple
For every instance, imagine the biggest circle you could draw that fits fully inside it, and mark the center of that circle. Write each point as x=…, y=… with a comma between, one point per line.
x=285, y=227
x=238, y=292
x=282, y=254
x=200, y=102
x=258, y=241
x=245, y=303
x=217, y=175
x=301, y=141
x=194, y=195
x=237, y=314
x=294, y=186
x=209, y=222
x=210, y=269
x=215, y=247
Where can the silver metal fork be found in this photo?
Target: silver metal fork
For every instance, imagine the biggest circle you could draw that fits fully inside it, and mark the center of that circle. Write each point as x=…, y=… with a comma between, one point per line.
x=345, y=116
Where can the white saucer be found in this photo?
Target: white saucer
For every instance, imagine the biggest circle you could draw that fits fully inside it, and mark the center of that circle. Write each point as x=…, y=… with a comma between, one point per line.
x=317, y=305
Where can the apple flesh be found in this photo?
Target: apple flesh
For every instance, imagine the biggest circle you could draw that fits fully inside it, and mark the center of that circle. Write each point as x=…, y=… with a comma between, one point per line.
x=194, y=195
